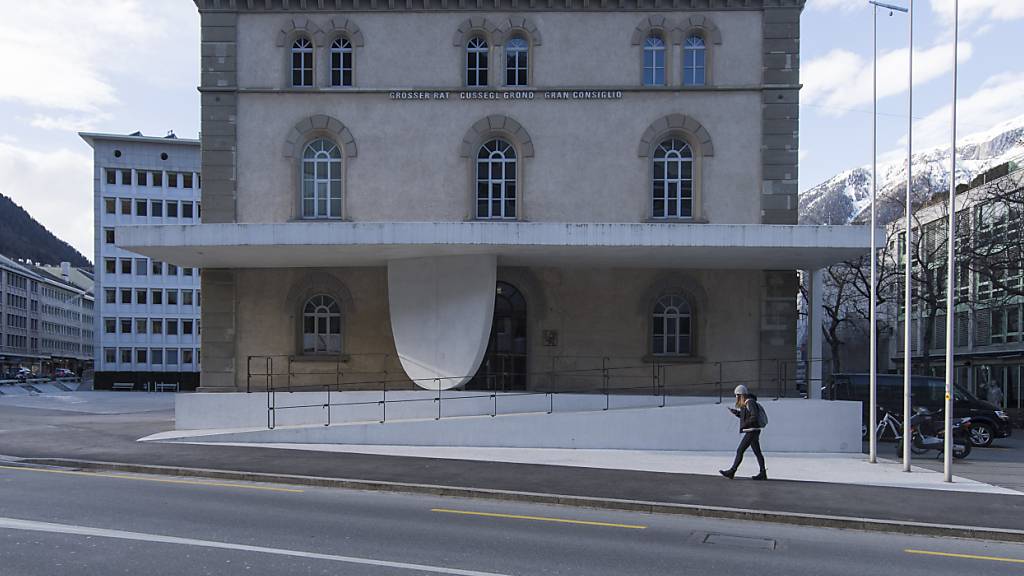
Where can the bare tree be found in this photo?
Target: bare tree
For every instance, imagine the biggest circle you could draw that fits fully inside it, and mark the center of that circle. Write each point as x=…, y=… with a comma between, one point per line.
x=992, y=245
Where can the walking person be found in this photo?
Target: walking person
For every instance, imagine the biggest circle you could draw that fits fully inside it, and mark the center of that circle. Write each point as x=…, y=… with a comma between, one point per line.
x=752, y=421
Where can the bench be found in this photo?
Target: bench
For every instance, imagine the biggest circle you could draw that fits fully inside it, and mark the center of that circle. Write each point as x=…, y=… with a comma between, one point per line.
x=122, y=386
x=165, y=387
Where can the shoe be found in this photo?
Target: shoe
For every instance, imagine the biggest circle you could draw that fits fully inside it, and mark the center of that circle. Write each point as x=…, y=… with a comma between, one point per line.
x=760, y=476
x=727, y=473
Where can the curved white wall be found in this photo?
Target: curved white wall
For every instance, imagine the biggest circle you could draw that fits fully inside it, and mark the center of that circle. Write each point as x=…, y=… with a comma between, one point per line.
x=441, y=311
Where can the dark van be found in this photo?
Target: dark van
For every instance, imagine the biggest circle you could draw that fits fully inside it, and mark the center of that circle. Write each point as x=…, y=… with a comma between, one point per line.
x=987, y=420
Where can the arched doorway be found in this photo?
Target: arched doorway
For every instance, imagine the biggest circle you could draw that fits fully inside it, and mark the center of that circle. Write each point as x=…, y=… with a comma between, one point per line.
x=504, y=364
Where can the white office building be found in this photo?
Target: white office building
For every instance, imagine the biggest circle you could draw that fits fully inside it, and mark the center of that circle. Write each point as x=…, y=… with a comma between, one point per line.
x=147, y=311
x=46, y=320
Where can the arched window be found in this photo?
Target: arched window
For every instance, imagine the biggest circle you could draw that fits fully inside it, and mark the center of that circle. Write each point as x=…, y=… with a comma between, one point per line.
x=321, y=326
x=654, y=61
x=496, y=180
x=302, y=62
x=321, y=180
x=476, y=62
x=517, y=52
x=694, y=55
x=671, y=326
x=341, y=62
x=672, y=185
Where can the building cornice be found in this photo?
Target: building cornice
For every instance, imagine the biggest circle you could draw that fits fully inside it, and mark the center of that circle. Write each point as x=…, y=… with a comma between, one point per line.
x=92, y=137
x=638, y=90
x=262, y=6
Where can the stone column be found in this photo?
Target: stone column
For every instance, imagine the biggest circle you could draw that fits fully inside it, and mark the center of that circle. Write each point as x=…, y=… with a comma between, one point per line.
x=814, y=335
x=218, y=322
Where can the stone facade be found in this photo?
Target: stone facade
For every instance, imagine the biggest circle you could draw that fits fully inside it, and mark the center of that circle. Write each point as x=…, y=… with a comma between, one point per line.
x=584, y=129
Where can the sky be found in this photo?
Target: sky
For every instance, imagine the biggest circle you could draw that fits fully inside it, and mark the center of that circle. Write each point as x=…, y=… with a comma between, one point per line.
x=125, y=65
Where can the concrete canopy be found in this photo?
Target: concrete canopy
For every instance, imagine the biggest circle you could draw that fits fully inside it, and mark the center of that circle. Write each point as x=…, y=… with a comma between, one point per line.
x=603, y=245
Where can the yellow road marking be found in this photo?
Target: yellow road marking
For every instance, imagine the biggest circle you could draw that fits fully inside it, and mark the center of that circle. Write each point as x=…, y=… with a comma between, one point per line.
x=538, y=518
x=965, y=556
x=164, y=480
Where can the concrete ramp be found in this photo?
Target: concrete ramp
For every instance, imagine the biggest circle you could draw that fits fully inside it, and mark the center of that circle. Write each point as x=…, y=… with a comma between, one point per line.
x=796, y=426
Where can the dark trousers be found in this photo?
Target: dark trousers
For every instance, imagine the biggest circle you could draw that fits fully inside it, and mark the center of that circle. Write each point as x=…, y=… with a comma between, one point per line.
x=750, y=440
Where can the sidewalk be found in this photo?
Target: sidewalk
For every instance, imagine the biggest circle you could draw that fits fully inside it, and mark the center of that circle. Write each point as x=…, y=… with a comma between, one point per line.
x=852, y=469
x=40, y=432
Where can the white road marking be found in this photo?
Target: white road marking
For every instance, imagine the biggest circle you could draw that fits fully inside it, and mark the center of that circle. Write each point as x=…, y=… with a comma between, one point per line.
x=32, y=525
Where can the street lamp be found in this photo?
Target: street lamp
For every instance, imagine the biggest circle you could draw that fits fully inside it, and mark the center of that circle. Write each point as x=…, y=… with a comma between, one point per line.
x=873, y=410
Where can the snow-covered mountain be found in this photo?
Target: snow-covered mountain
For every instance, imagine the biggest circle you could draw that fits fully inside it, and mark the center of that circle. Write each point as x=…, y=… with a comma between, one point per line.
x=845, y=197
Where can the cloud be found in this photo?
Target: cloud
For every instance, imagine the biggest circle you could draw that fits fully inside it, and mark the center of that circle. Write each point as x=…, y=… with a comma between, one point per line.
x=979, y=10
x=54, y=186
x=841, y=80
x=997, y=100
x=71, y=123
x=844, y=5
x=60, y=54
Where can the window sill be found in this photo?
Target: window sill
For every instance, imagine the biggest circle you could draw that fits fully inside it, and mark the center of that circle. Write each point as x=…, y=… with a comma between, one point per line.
x=326, y=358
x=657, y=359
x=677, y=220
x=320, y=220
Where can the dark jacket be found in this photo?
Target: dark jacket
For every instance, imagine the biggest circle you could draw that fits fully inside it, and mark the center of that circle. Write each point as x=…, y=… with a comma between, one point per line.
x=748, y=414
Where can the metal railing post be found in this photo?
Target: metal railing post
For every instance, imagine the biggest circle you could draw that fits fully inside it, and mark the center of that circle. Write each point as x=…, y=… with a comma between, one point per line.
x=248, y=374
x=778, y=377
x=328, y=406
x=604, y=378
x=718, y=383
x=494, y=406
x=551, y=402
x=438, y=382
x=664, y=369
x=271, y=405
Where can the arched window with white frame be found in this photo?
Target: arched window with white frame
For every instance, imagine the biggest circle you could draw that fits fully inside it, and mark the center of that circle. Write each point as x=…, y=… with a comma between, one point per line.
x=321, y=325
x=321, y=180
x=694, y=60
x=517, y=53
x=476, y=62
x=341, y=62
x=654, y=61
x=302, y=62
x=496, y=180
x=672, y=182
x=671, y=326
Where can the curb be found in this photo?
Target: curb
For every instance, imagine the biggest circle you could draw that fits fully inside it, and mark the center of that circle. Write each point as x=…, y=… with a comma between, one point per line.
x=717, y=512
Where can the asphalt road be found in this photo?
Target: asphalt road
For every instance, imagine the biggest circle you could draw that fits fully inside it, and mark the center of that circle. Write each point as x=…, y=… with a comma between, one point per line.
x=76, y=523
x=105, y=426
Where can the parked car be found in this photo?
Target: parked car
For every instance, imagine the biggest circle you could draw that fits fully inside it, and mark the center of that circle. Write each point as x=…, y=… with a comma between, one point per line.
x=988, y=422
x=63, y=373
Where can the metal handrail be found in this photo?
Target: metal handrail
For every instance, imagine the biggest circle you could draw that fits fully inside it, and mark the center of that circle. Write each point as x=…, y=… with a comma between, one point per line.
x=659, y=386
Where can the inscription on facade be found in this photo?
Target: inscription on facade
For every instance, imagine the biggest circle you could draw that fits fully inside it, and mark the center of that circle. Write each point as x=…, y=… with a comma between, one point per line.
x=525, y=95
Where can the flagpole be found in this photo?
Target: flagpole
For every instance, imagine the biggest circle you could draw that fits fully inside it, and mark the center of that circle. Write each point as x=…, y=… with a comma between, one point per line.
x=873, y=409
x=908, y=233
x=947, y=455
x=873, y=362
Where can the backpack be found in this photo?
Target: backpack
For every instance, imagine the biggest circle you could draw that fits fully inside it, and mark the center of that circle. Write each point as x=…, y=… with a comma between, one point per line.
x=762, y=416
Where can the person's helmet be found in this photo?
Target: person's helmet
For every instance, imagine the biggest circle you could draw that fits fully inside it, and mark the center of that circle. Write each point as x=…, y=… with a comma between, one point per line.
x=741, y=390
